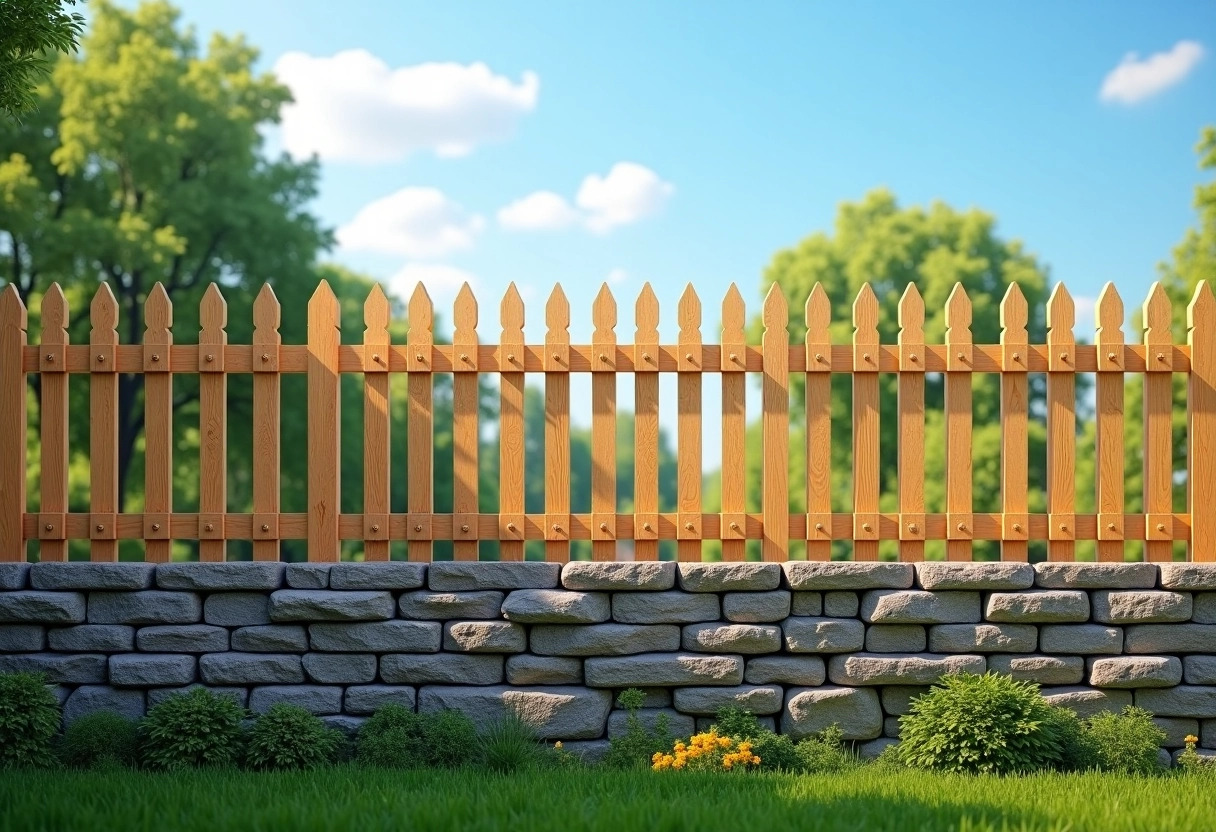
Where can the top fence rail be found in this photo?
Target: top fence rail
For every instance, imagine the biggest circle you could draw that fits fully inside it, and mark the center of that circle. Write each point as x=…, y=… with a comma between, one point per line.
x=323, y=359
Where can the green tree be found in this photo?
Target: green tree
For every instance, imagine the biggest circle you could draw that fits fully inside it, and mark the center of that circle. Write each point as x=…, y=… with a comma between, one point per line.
x=29, y=29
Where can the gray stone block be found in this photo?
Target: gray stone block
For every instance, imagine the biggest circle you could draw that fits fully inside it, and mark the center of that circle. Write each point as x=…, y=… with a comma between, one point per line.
x=1038, y=606
x=806, y=574
x=898, y=638
x=897, y=699
x=22, y=638
x=16, y=575
x=447, y=606
x=663, y=669
x=899, y=669
x=329, y=605
x=148, y=606
x=556, y=606
x=271, y=638
x=60, y=668
x=1204, y=611
x=1069, y=575
x=939, y=575
x=76, y=575
x=812, y=603
x=1199, y=670
x=673, y=607
x=886, y=606
x=1139, y=606
x=757, y=699
x=1086, y=639
x=526, y=669
x=159, y=695
x=678, y=724
x=1176, y=730
x=756, y=607
x=732, y=638
x=92, y=638
x=237, y=609
x=554, y=713
x=1135, y=672
x=250, y=669
x=89, y=699
x=810, y=710
x=838, y=604
x=603, y=639
x=890, y=726
x=182, y=638
x=590, y=752
x=442, y=669
x=145, y=670
x=728, y=577
x=340, y=668
x=316, y=699
x=873, y=749
x=347, y=725
x=619, y=575
x=367, y=699
x=1184, y=700
x=458, y=576
x=36, y=607
x=983, y=638
x=807, y=671
x=377, y=637
x=1188, y=576
x=823, y=635
x=385, y=575
x=307, y=575
x=219, y=577
x=1042, y=670
x=1087, y=702
x=1207, y=733
x=1170, y=638
x=485, y=637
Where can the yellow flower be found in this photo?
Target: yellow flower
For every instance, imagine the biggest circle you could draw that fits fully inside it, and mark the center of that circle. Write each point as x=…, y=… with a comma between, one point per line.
x=557, y=744
x=1191, y=738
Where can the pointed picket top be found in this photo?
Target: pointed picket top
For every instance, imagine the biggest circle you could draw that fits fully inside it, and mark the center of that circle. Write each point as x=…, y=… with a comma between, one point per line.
x=511, y=316
x=865, y=316
x=646, y=316
x=689, y=316
x=603, y=315
x=1201, y=312
x=1061, y=316
x=464, y=317
x=1158, y=316
x=376, y=313
x=734, y=316
x=422, y=317
x=324, y=302
x=911, y=316
x=12, y=310
x=958, y=316
x=213, y=311
x=55, y=315
x=817, y=313
x=1108, y=316
x=103, y=311
x=557, y=316
x=1015, y=313
x=266, y=311
x=775, y=312
x=158, y=314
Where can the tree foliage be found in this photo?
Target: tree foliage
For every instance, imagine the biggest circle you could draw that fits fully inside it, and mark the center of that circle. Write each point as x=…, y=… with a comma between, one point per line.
x=29, y=29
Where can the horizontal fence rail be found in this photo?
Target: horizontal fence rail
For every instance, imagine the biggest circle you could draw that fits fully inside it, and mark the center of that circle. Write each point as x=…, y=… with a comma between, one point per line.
x=323, y=359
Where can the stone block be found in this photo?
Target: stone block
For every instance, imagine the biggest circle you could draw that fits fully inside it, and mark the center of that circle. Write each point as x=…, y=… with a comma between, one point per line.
x=146, y=670
x=897, y=699
x=1085, y=639
x=757, y=699
x=237, y=609
x=345, y=724
x=886, y=606
x=619, y=575
x=673, y=607
x=823, y=635
x=271, y=638
x=377, y=637
x=92, y=638
x=1207, y=733
x=148, y=606
x=340, y=668
x=837, y=604
x=60, y=668
x=939, y=575
x=316, y=699
x=728, y=577
x=1033, y=606
x=873, y=749
x=15, y=576
x=1170, y=638
x=182, y=638
x=158, y=695
x=1135, y=672
x=1194, y=701
x=806, y=671
x=22, y=638
x=899, y=669
x=1042, y=670
x=556, y=606
x=890, y=726
x=330, y=605
x=810, y=710
x=823, y=575
x=220, y=577
x=442, y=669
x=678, y=724
x=897, y=638
x=983, y=638
x=1199, y=670
x=603, y=639
x=250, y=669
x=307, y=575
x=553, y=712
x=63, y=575
x=1087, y=702
x=526, y=669
x=1112, y=606
x=811, y=603
x=382, y=575
x=1188, y=576
x=590, y=752
x=367, y=699
x=1069, y=575
x=448, y=606
x=756, y=607
x=1176, y=730
x=485, y=637
x=663, y=669
x=458, y=576
x=88, y=699
x=1204, y=611
x=732, y=638
x=37, y=607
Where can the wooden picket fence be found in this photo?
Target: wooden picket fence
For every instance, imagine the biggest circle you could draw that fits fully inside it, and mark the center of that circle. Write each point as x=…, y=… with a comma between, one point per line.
x=324, y=358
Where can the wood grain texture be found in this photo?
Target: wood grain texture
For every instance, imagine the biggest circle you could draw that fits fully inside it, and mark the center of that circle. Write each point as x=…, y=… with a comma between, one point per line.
x=603, y=423
x=1061, y=425
x=13, y=323
x=103, y=424
x=53, y=479
x=688, y=441
x=420, y=428
x=1014, y=416
x=376, y=468
x=324, y=425
x=511, y=425
x=213, y=420
x=734, y=419
x=267, y=388
x=158, y=419
x=775, y=426
x=818, y=316
x=465, y=435
x=866, y=482
x=1201, y=423
x=958, y=425
x=646, y=425
x=1109, y=437
x=911, y=408
x=1157, y=316
x=557, y=425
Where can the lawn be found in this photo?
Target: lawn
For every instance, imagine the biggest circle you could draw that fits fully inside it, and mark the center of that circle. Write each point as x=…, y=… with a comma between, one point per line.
x=353, y=798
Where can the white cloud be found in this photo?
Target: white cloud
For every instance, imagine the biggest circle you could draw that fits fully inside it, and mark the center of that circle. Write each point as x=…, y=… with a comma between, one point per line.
x=415, y=222
x=353, y=106
x=442, y=283
x=618, y=276
x=1134, y=80
x=539, y=211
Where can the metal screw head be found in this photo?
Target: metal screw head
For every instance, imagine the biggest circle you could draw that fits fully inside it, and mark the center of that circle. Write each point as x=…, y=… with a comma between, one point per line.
x=914, y=358
x=101, y=359
x=866, y=527
x=50, y=359
x=557, y=356
x=100, y=528
x=689, y=526
x=912, y=527
x=265, y=527
x=556, y=527
x=510, y=527
x=818, y=527
x=418, y=527
x=209, y=527
x=734, y=527
x=1017, y=356
x=210, y=358
x=1110, y=356
x=734, y=357
x=1017, y=527
x=603, y=358
x=603, y=527
x=511, y=357
x=155, y=356
x=1160, y=527
x=865, y=356
x=464, y=356
x=1064, y=357
x=417, y=356
x=960, y=356
x=265, y=356
x=647, y=527
x=1160, y=356
x=645, y=356
x=1111, y=527
x=819, y=356
x=49, y=527
x=376, y=357
x=1063, y=527
x=962, y=527
x=688, y=357
x=375, y=528
x=464, y=527
x=156, y=527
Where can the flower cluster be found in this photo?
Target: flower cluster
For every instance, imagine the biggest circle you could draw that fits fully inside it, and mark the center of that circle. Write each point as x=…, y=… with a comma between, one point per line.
x=706, y=751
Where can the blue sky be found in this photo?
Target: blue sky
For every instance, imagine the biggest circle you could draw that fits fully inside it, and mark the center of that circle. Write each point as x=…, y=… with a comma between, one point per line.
x=744, y=125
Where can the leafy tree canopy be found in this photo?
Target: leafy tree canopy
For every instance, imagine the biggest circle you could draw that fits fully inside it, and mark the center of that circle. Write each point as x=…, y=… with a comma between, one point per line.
x=29, y=29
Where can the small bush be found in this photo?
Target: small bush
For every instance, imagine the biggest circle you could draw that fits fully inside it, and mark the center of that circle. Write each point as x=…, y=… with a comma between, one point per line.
x=196, y=728
x=972, y=723
x=1189, y=761
x=1125, y=742
x=289, y=737
x=825, y=752
x=512, y=745
x=638, y=745
x=1076, y=750
x=398, y=738
x=101, y=739
x=29, y=718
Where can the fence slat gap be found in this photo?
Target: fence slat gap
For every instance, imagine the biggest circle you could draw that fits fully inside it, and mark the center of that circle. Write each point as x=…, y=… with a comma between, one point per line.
x=158, y=425
x=103, y=426
x=1108, y=318
x=420, y=441
x=511, y=427
x=1015, y=528
x=911, y=407
x=646, y=425
x=266, y=409
x=775, y=426
x=960, y=527
x=688, y=440
x=376, y=470
x=1061, y=425
x=733, y=522
x=557, y=427
x=818, y=316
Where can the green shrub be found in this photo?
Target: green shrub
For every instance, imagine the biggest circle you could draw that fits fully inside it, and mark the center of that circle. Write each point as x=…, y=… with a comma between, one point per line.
x=29, y=718
x=776, y=751
x=196, y=728
x=100, y=740
x=512, y=745
x=451, y=739
x=1076, y=750
x=289, y=737
x=395, y=737
x=824, y=753
x=1125, y=742
x=972, y=723
x=636, y=747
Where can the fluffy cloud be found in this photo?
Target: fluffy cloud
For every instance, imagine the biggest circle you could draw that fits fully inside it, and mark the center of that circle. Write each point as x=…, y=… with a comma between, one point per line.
x=442, y=282
x=414, y=222
x=354, y=107
x=630, y=192
x=618, y=276
x=1134, y=80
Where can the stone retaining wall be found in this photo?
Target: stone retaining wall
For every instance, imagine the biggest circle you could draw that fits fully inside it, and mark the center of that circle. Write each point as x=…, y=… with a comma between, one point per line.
x=804, y=644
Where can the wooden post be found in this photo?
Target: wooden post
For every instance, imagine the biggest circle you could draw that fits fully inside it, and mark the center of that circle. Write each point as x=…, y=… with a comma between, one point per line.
x=376, y=467
x=158, y=425
x=511, y=434
x=911, y=425
x=959, y=524
x=865, y=425
x=213, y=426
x=324, y=425
x=603, y=427
x=557, y=427
x=420, y=437
x=1201, y=423
x=775, y=426
x=465, y=436
x=103, y=426
x=1158, y=417
x=646, y=426
x=1109, y=438
x=688, y=441
x=818, y=316
x=1015, y=360
x=52, y=363
x=1061, y=425
x=733, y=523
x=266, y=409
x=13, y=323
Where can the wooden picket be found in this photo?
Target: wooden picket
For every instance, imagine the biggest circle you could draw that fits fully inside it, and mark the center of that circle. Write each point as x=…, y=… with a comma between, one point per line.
x=613, y=529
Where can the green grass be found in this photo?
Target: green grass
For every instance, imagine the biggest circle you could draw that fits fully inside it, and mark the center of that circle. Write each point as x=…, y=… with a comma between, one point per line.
x=353, y=798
